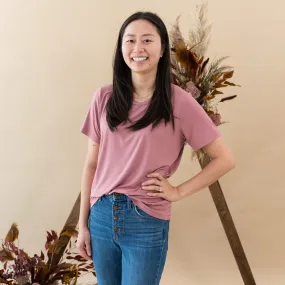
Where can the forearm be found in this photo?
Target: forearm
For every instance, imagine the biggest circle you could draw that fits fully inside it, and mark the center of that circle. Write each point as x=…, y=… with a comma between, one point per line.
x=207, y=176
x=86, y=183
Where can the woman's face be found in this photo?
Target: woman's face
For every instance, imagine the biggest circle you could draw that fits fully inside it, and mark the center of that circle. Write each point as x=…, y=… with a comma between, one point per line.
x=141, y=47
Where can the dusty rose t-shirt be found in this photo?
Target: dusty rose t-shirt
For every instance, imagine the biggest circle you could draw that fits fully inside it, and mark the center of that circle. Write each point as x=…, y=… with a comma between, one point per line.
x=126, y=157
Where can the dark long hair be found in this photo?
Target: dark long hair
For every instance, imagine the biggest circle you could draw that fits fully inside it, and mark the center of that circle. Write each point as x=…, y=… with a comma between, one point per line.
x=121, y=100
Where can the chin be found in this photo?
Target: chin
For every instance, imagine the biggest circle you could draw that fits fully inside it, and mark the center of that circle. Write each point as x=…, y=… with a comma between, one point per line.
x=141, y=71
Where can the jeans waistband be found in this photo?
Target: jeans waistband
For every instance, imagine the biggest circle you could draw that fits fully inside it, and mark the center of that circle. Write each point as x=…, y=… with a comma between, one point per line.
x=120, y=199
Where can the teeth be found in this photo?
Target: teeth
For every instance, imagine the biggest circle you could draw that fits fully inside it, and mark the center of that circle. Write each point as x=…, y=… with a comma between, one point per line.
x=139, y=58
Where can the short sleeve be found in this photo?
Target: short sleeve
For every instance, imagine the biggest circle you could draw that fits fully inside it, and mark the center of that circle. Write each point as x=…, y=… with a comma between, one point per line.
x=91, y=124
x=197, y=127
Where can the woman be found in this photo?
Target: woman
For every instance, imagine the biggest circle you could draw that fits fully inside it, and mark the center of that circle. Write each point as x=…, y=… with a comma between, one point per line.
x=137, y=128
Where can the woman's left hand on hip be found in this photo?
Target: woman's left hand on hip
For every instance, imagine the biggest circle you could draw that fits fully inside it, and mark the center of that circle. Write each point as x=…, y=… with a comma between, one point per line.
x=158, y=186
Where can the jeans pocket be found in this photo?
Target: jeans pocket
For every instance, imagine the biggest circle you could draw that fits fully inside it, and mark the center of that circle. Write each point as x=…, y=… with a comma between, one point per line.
x=142, y=214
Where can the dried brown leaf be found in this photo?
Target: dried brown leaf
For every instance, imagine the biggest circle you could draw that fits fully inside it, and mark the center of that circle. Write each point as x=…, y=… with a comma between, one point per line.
x=204, y=64
x=220, y=85
x=229, y=74
x=228, y=98
x=201, y=60
x=54, y=234
x=6, y=255
x=185, y=57
x=12, y=234
x=42, y=256
x=69, y=233
x=231, y=84
x=216, y=92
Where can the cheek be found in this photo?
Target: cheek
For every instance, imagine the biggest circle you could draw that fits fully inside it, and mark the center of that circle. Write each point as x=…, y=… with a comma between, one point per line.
x=125, y=52
x=154, y=57
x=155, y=54
x=126, y=57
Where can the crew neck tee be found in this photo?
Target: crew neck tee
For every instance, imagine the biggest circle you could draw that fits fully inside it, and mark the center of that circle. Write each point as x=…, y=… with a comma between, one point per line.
x=126, y=157
x=142, y=102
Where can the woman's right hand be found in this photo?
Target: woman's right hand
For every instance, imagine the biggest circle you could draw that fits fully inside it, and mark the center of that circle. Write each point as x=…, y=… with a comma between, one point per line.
x=83, y=243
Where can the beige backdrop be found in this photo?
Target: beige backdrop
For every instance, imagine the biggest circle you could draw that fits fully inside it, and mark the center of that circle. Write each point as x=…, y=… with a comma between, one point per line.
x=55, y=54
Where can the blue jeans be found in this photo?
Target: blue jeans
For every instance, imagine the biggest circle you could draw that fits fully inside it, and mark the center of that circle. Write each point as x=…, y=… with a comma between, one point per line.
x=129, y=246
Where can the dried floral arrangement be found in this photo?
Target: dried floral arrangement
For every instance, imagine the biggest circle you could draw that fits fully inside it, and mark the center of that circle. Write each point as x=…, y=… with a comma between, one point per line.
x=193, y=71
x=20, y=268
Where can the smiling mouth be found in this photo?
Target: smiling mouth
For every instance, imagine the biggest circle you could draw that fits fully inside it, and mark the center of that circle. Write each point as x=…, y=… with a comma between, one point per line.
x=139, y=59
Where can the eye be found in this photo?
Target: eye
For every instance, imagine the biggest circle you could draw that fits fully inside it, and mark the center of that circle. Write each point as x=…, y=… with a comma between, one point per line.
x=129, y=41
x=147, y=40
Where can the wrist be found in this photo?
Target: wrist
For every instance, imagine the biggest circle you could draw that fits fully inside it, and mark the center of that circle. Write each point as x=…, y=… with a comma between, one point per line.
x=180, y=192
x=82, y=227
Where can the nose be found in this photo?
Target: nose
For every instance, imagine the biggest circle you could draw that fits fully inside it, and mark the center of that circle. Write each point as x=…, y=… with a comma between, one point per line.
x=138, y=47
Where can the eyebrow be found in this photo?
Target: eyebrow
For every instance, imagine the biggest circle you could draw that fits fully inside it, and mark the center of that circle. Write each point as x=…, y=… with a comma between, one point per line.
x=132, y=35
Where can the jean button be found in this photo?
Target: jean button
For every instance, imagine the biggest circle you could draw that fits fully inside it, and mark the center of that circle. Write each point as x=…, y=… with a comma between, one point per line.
x=116, y=207
x=116, y=218
x=116, y=229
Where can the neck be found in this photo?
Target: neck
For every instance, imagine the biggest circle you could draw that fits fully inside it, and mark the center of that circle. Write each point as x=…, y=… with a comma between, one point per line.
x=143, y=85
